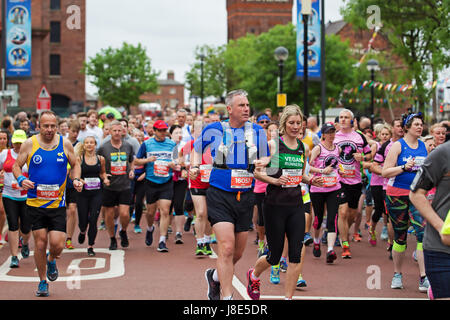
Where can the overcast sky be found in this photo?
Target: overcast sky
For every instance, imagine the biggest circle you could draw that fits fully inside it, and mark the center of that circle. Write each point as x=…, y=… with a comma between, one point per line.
x=170, y=30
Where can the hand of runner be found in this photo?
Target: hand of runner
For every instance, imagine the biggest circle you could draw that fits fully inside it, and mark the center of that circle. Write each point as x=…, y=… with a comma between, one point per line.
x=141, y=177
x=27, y=184
x=409, y=165
x=78, y=185
x=131, y=174
x=193, y=173
x=328, y=170
x=151, y=159
x=107, y=182
x=317, y=181
x=358, y=156
x=261, y=163
x=283, y=180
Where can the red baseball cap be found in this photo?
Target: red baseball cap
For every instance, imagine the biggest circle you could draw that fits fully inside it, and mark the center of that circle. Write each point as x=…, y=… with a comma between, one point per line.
x=160, y=125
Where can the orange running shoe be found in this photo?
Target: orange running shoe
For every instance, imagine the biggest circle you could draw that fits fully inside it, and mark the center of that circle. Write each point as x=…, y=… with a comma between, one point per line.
x=356, y=238
x=69, y=244
x=346, y=252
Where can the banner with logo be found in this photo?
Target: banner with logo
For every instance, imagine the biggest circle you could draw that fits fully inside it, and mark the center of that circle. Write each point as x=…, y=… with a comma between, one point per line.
x=314, y=45
x=17, y=39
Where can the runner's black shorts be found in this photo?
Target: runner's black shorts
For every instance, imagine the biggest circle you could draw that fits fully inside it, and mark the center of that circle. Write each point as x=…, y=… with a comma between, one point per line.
x=112, y=198
x=156, y=191
x=71, y=195
x=47, y=218
x=198, y=192
x=350, y=193
x=223, y=206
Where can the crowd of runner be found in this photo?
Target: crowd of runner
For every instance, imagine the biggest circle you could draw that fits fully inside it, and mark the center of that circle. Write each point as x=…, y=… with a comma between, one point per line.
x=295, y=183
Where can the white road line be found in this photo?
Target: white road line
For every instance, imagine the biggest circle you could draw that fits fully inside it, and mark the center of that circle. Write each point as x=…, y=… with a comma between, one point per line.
x=240, y=288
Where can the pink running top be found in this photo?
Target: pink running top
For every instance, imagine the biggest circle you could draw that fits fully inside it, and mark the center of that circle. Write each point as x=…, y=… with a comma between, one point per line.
x=260, y=187
x=351, y=143
x=376, y=179
x=323, y=160
x=380, y=157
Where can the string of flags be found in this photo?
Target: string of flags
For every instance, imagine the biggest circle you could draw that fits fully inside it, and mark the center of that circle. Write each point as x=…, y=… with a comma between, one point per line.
x=376, y=101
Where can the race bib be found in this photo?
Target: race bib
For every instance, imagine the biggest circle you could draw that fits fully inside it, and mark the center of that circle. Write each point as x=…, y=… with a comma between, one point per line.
x=349, y=171
x=118, y=168
x=92, y=183
x=47, y=191
x=205, y=172
x=161, y=169
x=418, y=162
x=241, y=179
x=330, y=180
x=295, y=177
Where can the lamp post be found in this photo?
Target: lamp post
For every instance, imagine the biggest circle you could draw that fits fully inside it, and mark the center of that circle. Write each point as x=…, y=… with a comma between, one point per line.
x=306, y=12
x=372, y=66
x=281, y=54
x=202, y=59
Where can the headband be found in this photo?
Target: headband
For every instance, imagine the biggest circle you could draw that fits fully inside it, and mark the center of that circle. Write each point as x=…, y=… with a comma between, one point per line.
x=263, y=117
x=411, y=116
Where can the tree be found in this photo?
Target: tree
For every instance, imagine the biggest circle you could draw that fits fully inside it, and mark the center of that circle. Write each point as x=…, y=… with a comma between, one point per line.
x=417, y=30
x=122, y=75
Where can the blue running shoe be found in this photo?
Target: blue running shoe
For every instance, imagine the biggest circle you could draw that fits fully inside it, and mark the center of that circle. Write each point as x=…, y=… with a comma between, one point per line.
x=283, y=265
x=137, y=229
x=14, y=262
x=300, y=282
x=42, y=289
x=52, y=270
x=275, y=274
x=307, y=240
x=149, y=237
x=325, y=237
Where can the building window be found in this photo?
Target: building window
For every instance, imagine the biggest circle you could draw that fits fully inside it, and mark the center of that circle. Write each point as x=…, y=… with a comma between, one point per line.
x=14, y=103
x=173, y=91
x=55, y=31
x=55, y=65
x=55, y=4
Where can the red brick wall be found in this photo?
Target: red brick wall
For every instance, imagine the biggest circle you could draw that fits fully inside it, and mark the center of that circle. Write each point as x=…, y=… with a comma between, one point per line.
x=253, y=16
x=72, y=48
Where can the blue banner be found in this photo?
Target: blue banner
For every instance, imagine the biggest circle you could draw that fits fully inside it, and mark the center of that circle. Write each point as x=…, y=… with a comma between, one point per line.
x=17, y=24
x=314, y=36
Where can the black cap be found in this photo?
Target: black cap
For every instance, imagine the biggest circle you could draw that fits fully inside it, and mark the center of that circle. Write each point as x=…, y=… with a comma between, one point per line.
x=110, y=115
x=327, y=127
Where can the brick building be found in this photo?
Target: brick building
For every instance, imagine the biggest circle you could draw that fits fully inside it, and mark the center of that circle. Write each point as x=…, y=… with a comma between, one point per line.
x=256, y=16
x=359, y=40
x=170, y=92
x=58, y=54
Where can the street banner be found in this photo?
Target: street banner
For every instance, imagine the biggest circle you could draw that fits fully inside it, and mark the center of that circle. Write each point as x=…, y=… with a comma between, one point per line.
x=17, y=38
x=314, y=45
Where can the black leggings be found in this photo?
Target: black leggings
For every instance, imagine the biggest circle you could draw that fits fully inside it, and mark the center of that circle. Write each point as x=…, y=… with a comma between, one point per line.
x=88, y=205
x=332, y=200
x=16, y=210
x=280, y=221
x=179, y=195
x=259, y=199
x=137, y=204
x=378, y=199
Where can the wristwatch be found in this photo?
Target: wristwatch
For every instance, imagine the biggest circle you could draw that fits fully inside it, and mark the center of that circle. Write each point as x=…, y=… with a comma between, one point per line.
x=403, y=167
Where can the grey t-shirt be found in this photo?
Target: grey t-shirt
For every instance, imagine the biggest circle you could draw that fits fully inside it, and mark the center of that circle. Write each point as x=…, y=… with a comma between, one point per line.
x=435, y=172
x=117, y=164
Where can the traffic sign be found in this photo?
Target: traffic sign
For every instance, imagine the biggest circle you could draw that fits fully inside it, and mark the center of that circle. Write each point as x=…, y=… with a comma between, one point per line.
x=44, y=100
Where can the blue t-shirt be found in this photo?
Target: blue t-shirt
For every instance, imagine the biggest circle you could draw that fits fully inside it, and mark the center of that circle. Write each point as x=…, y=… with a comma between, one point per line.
x=212, y=136
x=163, y=151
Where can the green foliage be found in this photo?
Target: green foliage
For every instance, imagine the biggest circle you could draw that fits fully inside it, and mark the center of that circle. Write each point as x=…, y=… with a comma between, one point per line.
x=417, y=30
x=122, y=75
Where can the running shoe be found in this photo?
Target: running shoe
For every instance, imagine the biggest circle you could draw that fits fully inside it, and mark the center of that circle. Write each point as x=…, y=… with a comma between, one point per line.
x=133, y=217
x=213, y=286
x=316, y=250
x=367, y=226
x=199, y=250
x=14, y=262
x=424, y=284
x=207, y=249
x=213, y=238
x=307, y=240
x=283, y=265
x=162, y=247
x=373, y=238
x=102, y=225
x=124, y=239
x=356, y=238
x=52, y=270
x=397, y=282
x=25, y=251
x=69, y=244
x=275, y=274
x=331, y=256
x=81, y=238
x=137, y=229
x=42, y=289
x=384, y=234
x=325, y=237
x=300, y=282
x=187, y=224
x=179, y=238
x=149, y=237
x=113, y=244
x=169, y=230
x=346, y=252
x=252, y=286
x=337, y=243
x=90, y=252
x=430, y=293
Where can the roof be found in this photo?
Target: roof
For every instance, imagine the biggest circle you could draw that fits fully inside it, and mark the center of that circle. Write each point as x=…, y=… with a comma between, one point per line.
x=334, y=27
x=168, y=82
x=90, y=97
